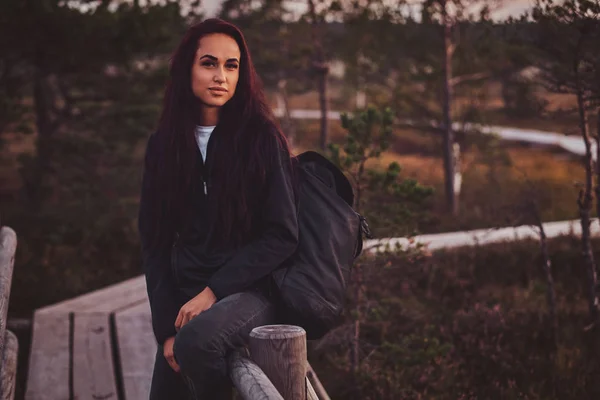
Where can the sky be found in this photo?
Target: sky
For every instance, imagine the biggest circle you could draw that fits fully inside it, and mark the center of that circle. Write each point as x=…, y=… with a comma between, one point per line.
x=509, y=8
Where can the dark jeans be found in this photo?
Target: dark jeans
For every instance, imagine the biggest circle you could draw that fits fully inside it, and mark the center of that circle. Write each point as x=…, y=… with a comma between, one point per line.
x=202, y=345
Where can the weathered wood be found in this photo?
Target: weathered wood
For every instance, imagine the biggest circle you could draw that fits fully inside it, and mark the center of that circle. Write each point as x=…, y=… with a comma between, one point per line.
x=93, y=362
x=9, y=345
x=280, y=351
x=93, y=369
x=249, y=380
x=8, y=372
x=137, y=348
x=48, y=374
x=8, y=247
x=310, y=391
x=52, y=367
x=316, y=383
x=117, y=296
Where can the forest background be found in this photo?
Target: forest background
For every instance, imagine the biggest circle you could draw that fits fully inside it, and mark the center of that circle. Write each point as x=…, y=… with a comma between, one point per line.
x=80, y=91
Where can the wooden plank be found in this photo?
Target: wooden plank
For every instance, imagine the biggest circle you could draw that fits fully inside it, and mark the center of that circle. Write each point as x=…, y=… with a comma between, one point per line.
x=8, y=372
x=120, y=295
x=49, y=359
x=48, y=375
x=93, y=363
x=137, y=350
x=249, y=380
x=93, y=368
x=280, y=351
x=8, y=247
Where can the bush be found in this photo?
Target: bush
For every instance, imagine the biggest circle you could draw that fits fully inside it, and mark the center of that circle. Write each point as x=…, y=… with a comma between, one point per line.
x=468, y=323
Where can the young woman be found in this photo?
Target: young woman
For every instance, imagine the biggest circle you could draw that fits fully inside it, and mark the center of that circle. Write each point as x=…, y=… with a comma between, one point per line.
x=217, y=212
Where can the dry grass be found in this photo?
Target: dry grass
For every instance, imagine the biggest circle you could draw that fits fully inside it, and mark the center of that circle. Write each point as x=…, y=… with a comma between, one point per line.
x=419, y=155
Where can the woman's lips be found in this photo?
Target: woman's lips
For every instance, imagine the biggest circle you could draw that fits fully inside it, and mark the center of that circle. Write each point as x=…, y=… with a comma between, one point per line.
x=218, y=89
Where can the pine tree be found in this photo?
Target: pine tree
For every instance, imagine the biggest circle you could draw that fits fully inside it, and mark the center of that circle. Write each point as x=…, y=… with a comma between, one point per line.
x=565, y=45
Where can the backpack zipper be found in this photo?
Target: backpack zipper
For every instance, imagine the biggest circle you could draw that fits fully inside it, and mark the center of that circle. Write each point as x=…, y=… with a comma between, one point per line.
x=364, y=226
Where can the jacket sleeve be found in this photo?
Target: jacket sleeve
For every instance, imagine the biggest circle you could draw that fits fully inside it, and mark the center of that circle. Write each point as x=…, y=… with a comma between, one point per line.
x=278, y=241
x=156, y=265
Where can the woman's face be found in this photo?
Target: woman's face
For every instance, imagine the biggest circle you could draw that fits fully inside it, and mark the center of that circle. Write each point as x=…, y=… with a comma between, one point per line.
x=216, y=69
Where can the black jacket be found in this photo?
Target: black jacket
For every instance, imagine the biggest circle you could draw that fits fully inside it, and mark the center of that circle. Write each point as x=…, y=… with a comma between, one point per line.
x=177, y=273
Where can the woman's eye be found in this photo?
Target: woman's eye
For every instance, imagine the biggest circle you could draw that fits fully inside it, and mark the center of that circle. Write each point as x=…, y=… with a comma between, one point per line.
x=208, y=63
x=232, y=66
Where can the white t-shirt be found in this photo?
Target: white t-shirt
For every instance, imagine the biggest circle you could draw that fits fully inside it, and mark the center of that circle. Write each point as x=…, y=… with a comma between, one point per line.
x=202, y=135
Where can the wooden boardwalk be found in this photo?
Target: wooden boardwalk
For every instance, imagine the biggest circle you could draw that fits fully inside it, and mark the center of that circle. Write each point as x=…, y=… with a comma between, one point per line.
x=479, y=237
x=96, y=346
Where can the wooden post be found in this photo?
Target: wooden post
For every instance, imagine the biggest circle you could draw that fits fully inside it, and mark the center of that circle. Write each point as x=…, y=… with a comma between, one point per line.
x=280, y=351
x=8, y=247
x=8, y=341
x=8, y=372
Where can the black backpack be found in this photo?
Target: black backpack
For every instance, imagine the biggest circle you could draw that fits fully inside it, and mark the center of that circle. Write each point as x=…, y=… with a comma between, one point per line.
x=311, y=285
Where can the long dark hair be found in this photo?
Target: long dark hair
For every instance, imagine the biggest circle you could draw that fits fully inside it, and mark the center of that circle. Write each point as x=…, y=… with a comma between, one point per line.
x=248, y=139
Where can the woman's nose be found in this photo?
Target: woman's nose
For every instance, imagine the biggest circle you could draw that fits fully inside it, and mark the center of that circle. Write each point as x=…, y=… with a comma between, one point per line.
x=219, y=76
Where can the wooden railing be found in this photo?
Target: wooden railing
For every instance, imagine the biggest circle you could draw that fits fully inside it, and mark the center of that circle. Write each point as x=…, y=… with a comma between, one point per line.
x=100, y=345
x=277, y=367
x=9, y=346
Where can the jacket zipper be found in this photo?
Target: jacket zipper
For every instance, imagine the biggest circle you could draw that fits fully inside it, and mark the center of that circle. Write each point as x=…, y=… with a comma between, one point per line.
x=174, y=259
x=205, y=165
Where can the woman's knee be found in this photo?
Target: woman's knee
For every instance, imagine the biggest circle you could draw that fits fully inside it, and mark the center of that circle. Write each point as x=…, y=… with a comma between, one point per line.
x=195, y=347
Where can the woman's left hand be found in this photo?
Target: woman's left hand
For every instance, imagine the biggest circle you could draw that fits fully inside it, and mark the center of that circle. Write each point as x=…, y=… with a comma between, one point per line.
x=202, y=302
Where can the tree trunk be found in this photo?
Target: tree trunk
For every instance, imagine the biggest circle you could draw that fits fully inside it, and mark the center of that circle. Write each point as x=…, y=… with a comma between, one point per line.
x=585, y=206
x=357, y=278
x=457, y=167
x=321, y=70
x=451, y=200
x=284, y=105
x=323, y=105
x=547, y=266
x=355, y=347
x=361, y=99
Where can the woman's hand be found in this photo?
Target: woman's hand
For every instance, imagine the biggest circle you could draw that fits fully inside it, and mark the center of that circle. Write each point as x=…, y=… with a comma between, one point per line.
x=168, y=353
x=202, y=302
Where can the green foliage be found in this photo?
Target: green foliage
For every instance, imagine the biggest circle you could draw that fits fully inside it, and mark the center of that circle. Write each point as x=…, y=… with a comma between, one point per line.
x=390, y=203
x=368, y=136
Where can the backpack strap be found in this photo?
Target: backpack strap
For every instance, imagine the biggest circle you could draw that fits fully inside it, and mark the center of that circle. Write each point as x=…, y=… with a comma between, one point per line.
x=343, y=187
